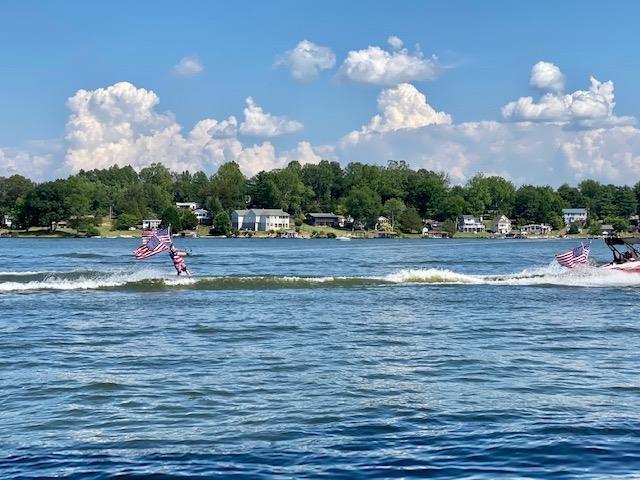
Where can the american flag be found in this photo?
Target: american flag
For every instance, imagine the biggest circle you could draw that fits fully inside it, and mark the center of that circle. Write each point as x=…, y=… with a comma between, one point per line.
x=153, y=241
x=570, y=259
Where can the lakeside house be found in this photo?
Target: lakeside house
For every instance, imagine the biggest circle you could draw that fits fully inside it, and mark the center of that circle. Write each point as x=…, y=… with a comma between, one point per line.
x=536, y=229
x=501, y=224
x=187, y=205
x=260, y=219
x=150, y=224
x=317, y=219
x=608, y=230
x=471, y=224
x=203, y=216
x=345, y=221
x=571, y=215
x=7, y=221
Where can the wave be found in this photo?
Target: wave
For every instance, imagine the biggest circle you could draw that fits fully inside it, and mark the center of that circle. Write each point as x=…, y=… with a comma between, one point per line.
x=152, y=280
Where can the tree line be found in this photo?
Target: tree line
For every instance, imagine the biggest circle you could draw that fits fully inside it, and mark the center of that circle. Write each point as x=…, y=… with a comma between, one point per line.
x=364, y=191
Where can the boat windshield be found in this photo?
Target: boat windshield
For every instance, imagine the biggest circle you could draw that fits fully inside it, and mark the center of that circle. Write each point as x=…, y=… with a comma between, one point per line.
x=624, y=249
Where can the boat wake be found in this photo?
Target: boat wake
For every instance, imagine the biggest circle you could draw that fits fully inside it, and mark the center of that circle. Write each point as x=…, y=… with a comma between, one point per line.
x=153, y=280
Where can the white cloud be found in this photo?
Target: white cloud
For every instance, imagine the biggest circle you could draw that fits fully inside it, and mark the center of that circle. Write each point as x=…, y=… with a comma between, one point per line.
x=547, y=76
x=119, y=125
x=188, y=67
x=401, y=107
x=526, y=152
x=395, y=42
x=582, y=108
x=20, y=162
x=306, y=60
x=376, y=66
x=261, y=124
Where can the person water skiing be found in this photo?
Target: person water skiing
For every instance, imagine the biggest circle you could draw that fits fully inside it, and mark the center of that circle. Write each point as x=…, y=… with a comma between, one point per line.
x=178, y=261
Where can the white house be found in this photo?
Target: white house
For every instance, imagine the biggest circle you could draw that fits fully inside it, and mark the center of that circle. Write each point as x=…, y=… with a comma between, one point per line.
x=7, y=221
x=150, y=224
x=501, y=224
x=187, y=205
x=571, y=215
x=203, y=216
x=536, y=229
x=260, y=219
x=608, y=230
x=471, y=224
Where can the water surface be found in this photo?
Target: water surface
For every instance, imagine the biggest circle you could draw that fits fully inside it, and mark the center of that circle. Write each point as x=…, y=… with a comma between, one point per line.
x=316, y=358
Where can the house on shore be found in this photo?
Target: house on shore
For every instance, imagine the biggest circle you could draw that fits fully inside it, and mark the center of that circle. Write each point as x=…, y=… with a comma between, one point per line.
x=150, y=224
x=323, y=219
x=608, y=230
x=203, y=216
x=471, y=224
x=7, y=221
x=536, y=229
x=260, y=219
x=187, y=206
x=571, y=215
x=501, y=224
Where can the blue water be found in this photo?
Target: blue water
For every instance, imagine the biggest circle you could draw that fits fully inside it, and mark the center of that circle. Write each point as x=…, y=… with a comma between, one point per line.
x=316, y=358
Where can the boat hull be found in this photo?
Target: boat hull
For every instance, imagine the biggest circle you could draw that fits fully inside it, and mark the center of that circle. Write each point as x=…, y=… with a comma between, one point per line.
x=628, y=267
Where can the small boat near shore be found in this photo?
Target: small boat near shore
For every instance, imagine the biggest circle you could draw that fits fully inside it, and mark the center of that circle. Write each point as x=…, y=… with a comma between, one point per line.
x=343, y=238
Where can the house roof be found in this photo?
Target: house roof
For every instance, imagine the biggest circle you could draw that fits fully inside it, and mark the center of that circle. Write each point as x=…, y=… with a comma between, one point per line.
x=241, y=212
x=574, y=210
x=500, y=217
x=607, y=227
x=268, y=211
x=323, y=215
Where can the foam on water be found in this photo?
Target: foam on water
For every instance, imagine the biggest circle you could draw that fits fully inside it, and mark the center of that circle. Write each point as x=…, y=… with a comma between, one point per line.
x=552, y=275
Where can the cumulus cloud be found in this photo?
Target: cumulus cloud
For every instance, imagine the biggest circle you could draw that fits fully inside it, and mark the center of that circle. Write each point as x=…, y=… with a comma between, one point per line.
x=376, y=66
x=547, y=76
x=188, y=67
x=120, y=125
x=401, y=107
x=306, y=60
x=525, y=152
x=15, y=161
x=395, y=42
x=259, y=123
x=582, y=108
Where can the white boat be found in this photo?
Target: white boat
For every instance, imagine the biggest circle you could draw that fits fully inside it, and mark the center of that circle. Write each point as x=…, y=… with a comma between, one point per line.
x=343, y=238
x=626, y=256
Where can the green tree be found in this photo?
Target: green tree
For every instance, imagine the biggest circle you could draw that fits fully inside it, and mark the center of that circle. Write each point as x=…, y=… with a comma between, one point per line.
x=125, y=221
x=364, y=205
x=450, y=226
x=574, y=228
x=188, y=220
x=222, y=224
x=595, y=228
x=393, y=209
x=44, y=205
x=410, y=220
x=619, y=224
x=229, y=185
x=171, y=216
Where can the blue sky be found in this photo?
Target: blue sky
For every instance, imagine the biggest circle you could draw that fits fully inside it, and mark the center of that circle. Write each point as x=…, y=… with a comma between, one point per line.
x=485, y=51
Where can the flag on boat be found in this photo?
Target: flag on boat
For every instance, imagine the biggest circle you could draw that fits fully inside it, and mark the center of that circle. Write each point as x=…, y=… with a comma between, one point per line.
x=153, y=241
x=579, y=255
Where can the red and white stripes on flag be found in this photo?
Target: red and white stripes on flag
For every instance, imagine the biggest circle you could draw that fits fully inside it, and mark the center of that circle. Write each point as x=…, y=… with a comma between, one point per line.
x=153, y=242
x=579, y=255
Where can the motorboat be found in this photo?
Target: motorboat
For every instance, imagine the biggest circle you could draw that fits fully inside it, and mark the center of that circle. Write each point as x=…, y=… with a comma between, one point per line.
x=626, y=256
x=343, y=238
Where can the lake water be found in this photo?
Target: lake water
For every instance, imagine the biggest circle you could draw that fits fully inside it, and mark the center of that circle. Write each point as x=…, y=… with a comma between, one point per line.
x=316, y=358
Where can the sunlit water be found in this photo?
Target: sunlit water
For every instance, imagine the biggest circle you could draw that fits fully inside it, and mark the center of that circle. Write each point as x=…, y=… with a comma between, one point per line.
x=316, y=358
